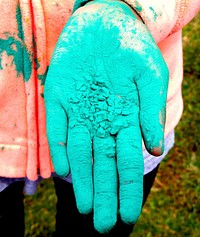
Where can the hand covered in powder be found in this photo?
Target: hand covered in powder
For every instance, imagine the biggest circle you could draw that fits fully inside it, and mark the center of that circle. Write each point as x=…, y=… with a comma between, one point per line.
x=105, y=90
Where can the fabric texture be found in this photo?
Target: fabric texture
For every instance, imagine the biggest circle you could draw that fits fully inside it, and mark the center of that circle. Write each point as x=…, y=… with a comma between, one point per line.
x=28, y=37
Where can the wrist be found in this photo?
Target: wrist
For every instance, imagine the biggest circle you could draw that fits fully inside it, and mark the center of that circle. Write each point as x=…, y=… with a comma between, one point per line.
x=135, y=13
x=120, y=2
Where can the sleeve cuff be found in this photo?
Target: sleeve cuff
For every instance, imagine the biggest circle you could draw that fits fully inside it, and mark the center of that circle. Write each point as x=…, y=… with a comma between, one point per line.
x=159, y=16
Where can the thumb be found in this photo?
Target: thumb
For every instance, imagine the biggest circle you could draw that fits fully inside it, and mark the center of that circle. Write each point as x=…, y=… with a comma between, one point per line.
x=57, y=136
x=152, y=89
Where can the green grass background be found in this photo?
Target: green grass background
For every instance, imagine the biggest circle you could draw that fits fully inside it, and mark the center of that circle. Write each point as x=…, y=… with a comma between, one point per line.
x=173, y=207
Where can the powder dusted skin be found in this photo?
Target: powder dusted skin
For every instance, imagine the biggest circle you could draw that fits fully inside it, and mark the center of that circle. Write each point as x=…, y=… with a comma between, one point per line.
x=100, y=110
x=106, y=88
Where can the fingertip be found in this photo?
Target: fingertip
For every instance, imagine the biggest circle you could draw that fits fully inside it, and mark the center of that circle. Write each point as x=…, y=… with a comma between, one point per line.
x=84, y=207
x=131, y=217
x=84, y=198
x=157, y=151
x=154, y=146
x=62, y=173
x=104, y=226
x=61, y=168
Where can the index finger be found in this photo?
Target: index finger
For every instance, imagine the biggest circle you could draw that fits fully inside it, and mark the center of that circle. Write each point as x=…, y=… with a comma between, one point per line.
x=80, y=160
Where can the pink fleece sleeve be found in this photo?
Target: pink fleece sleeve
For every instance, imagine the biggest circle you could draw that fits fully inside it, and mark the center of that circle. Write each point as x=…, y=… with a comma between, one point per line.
x=187, y=10
x=165, y=17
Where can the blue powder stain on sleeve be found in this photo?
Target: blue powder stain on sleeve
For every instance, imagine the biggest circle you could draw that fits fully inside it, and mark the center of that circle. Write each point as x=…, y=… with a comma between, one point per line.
x=13, y=48
x=17, y=48
x=138, y=7
x=27, y=68
x=79, y=3
x=154, y=13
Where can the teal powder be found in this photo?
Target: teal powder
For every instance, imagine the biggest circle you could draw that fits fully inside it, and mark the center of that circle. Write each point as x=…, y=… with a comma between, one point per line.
x=138, y=7
x=154, y=13
x=16, y=48
x=13, y=48
x=79, y=3
x=108, y=88
x=27, y=63
x=19, y=23
x=41, y=77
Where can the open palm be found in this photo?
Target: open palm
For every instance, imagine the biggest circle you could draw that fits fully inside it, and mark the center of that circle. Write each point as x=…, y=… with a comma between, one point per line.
x=105, y=90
